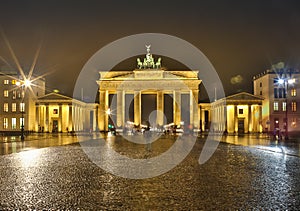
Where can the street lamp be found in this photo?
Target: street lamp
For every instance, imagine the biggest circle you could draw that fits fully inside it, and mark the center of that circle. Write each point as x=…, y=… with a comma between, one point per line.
x=26, y=83
x=286, y=82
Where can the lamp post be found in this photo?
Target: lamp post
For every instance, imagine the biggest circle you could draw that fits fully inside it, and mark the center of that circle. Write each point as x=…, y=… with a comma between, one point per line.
x=285, y=82
x=26, y=83
x=22, y=126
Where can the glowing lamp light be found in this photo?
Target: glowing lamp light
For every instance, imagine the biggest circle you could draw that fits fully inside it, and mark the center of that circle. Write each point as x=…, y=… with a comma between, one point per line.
x=27, y=83
x=291, y=81
x=108, y=112
x=280, y=81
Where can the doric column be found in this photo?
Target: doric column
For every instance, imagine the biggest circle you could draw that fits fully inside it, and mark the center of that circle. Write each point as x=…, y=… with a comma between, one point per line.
x=37, y=117
x=160, y=108
x=70, y=123
x=260, y=119
x=202, y=114
x=103, y=106
x=235, y=119
x=47, y=129
x=60, y=117
x=137, y=107
x=249, y=119
x=120, y=108
x=194, y=120
x=95, y=119
x=76, y=120
x=225, y=117
x=177, y=107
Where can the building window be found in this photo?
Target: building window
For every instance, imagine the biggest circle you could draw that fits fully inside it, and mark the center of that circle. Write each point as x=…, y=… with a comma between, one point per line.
x=275, y=106
x=13, y=123
x=294, y=122
x=5, y=123
x=260, y=92
x=14, y=107
x=14, y=94
x=6, y=81
x=22, y=107
x=22, y=122
x=5, y=107
x=5, y=93
x=283, y=106
x=19, y=94
x=294, y=106
x=241, y=111
x=13, y=82
x=275, y=93
x=293, y=93
x=55, y=111
x=260, y=84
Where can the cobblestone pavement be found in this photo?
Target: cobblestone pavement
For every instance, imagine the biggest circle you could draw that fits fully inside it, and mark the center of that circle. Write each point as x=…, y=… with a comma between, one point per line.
x=235, y=177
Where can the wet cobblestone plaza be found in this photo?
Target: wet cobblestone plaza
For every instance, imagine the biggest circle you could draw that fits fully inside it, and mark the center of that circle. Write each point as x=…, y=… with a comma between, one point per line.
x=235, y=177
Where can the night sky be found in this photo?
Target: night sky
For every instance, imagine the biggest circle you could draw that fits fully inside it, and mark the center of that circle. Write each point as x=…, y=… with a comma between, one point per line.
x=240, y=38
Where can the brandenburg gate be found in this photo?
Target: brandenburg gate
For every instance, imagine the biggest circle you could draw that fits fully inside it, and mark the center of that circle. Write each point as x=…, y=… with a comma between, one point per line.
x=148, y=78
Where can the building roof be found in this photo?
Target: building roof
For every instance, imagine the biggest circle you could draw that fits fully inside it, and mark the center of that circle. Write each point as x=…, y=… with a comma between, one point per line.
x=58, y=98
x=54, y=96
x=238, y=99
x=244, y=96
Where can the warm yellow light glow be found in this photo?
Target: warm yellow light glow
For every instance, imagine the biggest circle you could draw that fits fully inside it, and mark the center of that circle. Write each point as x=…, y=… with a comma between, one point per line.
x=18, y=83
x=27, y=83
x=30, y=157
x=291, y=81
x=108, y=112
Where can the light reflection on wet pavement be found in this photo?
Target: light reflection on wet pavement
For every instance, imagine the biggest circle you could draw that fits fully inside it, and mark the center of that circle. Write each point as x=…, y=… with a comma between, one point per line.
x=13, y=144
x=235, y=177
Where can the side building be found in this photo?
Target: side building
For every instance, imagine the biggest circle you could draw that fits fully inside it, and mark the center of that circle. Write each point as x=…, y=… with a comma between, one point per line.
x=24, y=103
x=17, y=101
x=280, y=90
x=238, y=113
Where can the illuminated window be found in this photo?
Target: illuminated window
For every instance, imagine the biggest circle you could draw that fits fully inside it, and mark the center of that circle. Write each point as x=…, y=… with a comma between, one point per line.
x=5, y=107
x=275, y=106
x=294, y=106
x=293, y=92
x=5, y=93
x=21, y=122
x=5, y=123
x=14, y=94
x=294, y=122
x=14, y=107
x=283, y=106
x=13, y=123
x=13, y=82
x=22, y=107
x=6, y=81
